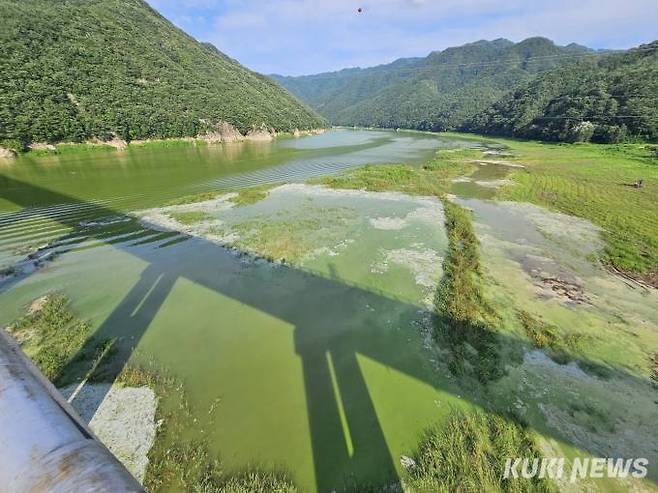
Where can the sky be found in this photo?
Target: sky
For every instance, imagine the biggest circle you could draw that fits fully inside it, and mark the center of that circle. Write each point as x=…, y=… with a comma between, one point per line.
x=295, y=37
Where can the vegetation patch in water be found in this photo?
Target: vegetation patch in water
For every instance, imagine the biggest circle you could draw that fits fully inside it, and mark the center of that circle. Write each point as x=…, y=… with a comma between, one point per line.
x=192, y=199
x=190, y=217
x=180, y=463
x=240, y=197
x=249, y=196
x=290, y=234
x=468, y=453
x=653, y=369
x=465, y=320
x=50, y=334
x=434, y=178
x=286, y=240
x=560, y=347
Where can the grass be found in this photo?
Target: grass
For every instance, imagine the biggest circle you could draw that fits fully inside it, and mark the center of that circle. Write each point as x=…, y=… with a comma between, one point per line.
x=559, y=347
x=251, y=195
x=434, y=178
x=82, y=147
x=594, y=182
x=245, y=196
x=193, y=199
x=70, y=148
x=282, y=240
x=468, y=454
x=591, y=416
x=653, y=369
x=465, y=320
x=51, y=335
x=180, y=463
x=190, y=217
x=73, y=148
x=166, y=143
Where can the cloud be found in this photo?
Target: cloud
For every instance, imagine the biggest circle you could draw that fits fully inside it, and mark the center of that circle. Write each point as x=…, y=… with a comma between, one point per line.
x=306, y=36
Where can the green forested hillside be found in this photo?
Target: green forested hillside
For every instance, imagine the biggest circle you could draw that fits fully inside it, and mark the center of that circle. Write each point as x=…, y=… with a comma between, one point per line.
x=332, y=92
x=439, y=92
x=604, y=100
x=77, y=69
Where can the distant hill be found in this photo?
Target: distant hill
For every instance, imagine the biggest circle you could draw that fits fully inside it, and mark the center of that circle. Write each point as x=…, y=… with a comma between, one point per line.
x=606, y=99
x=77, y=69
x=332, y=92
x=439, y=92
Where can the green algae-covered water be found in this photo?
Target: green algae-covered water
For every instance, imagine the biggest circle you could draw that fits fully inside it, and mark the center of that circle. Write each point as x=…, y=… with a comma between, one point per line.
x=317, y=364
x=142, y=177
x=300, y=324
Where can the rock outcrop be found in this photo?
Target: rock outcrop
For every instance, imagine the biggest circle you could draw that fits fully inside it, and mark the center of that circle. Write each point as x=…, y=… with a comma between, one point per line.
x=261, y=134
x=117, y=143
x=6, y=153
x=221, y=132
x=41, y=146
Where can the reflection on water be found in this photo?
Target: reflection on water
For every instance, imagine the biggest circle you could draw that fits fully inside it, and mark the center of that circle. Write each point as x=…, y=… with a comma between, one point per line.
x=144, y=177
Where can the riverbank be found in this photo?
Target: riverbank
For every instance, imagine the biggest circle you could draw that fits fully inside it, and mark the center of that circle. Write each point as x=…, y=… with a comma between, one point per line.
x=221, y=135
x=615, y=186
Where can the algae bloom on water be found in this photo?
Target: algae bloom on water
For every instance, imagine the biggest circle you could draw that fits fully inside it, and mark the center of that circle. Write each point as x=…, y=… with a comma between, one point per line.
x=385, y=323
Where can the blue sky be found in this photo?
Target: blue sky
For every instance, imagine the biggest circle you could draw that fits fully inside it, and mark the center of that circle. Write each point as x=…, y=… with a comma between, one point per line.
x=294, y=37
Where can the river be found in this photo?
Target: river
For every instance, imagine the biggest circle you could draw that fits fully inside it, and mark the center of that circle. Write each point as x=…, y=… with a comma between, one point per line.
x=300, y=325
x=318, y=366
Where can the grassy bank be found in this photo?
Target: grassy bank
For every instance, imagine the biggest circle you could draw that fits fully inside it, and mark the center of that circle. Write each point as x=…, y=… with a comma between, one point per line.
x=100, y=146
x=434, y=178
x=597, y=183
x=468, y=454
x=52, y=335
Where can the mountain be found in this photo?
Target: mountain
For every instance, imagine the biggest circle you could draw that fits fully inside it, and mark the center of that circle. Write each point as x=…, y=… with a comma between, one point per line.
x=79, y=69
x=605, y=99
x=332, y=92
x=439, y=92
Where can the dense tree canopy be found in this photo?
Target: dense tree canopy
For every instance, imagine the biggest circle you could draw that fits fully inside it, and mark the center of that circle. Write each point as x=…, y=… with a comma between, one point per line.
x=529, y=89
x=76, y=69
x=438, y=92
x=608, y=99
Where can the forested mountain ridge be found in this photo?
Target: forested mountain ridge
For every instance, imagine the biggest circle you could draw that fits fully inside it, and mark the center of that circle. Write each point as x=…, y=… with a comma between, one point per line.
x=80, y=69
x=606, y=99
x=332, y=92
x=439, y=92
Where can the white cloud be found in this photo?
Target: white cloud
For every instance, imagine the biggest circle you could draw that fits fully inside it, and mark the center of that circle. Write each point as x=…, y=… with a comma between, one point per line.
x=303, y=36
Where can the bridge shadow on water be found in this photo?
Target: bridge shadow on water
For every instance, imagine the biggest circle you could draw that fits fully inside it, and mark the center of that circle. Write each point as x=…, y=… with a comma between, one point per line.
x=346, y=435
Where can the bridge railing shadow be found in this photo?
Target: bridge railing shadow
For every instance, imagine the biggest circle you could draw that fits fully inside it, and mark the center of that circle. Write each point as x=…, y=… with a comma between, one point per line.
x=328, y=350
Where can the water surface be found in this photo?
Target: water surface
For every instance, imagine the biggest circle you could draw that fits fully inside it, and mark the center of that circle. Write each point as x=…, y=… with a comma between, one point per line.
x=320, y=365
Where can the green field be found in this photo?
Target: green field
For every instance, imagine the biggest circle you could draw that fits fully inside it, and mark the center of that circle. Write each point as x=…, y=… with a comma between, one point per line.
x=596, y=182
